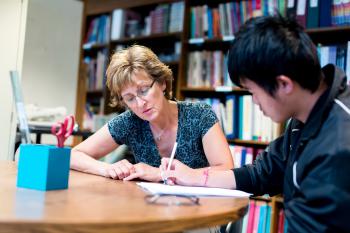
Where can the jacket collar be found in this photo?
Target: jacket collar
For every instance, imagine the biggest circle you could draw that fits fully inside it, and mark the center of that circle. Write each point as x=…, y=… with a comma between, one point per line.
x=336, y=80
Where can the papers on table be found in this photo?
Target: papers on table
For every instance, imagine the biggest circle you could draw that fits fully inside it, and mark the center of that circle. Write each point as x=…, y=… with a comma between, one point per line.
x=156, y=188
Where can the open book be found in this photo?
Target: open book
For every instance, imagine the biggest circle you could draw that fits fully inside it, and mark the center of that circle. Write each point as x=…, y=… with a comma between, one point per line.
x=156, y=188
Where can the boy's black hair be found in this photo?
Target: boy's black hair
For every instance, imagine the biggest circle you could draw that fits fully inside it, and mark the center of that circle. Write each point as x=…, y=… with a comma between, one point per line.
x=268, y=46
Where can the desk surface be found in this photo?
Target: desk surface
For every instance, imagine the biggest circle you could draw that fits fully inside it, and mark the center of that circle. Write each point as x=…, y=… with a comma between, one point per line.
x=98, y=204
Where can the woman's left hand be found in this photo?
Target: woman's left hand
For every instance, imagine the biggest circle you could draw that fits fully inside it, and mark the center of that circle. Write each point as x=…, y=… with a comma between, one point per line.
x=145, y=172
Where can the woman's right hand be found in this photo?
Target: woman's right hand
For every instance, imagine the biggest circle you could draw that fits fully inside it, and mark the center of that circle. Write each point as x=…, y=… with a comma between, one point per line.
x=180, y=174
x=119, y=170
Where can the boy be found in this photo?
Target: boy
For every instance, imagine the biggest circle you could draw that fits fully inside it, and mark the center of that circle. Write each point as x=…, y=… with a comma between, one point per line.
x=277, y=62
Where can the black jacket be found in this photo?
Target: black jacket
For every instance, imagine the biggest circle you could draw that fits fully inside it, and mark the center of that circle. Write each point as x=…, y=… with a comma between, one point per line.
x=317, y=192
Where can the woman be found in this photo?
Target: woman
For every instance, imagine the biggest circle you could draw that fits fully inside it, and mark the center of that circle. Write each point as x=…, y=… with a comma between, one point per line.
x=152, y=124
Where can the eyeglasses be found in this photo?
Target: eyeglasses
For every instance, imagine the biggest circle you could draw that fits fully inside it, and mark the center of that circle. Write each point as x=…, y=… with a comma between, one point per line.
x=165, y=199
x=141, y=92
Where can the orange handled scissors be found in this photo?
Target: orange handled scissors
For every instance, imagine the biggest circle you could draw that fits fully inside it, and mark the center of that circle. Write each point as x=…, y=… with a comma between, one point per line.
x=62, y=130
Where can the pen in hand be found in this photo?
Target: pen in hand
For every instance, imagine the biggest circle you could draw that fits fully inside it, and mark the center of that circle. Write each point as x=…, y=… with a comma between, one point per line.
x=171, y=159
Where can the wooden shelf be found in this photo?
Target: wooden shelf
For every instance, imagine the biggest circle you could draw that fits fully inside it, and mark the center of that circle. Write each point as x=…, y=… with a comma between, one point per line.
x=249, y=143
x=328, y=29
x=318, y=35
x=261, y=198
x=210, y=44
x=210, y=41
x=329, y=35
x=279, y=199
x=172, y=63
x=95, y=7
x=174, y=35
x=95, y=47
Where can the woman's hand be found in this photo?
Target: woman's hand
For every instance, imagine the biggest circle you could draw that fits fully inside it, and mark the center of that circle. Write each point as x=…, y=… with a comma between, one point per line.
x=145, y=172
x=120, y=169
x=181, y=174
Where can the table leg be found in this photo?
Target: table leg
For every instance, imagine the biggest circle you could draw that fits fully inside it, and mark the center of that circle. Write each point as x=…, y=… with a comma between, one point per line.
x=38, y=138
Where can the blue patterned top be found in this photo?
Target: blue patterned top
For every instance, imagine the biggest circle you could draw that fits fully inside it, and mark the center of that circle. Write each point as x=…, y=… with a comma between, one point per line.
x=194, y=120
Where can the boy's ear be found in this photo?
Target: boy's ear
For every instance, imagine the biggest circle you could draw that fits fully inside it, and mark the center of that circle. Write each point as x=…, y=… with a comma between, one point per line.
x=285, y=84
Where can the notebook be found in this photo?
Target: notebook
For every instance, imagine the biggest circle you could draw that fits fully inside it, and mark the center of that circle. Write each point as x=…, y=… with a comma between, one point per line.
x=157, y=188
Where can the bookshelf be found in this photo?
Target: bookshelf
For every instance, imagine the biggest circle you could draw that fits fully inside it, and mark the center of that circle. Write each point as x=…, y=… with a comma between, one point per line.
x=202, y=38
x=188, y=41
x=113, y=25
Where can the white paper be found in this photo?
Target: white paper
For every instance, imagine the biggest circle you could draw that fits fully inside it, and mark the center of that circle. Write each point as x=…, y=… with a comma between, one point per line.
x=313, y=3
x=290, y=4
x=223, y=89
x=196, y=40
x=228, y=38
x=156, y=188
x=301, y=8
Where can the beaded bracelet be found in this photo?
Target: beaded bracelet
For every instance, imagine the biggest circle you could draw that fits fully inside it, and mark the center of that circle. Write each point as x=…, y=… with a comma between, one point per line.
x=206, y=175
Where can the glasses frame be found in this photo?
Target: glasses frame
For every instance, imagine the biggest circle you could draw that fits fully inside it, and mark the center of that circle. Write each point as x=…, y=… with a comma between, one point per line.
x=153, y=198
x=138, y=92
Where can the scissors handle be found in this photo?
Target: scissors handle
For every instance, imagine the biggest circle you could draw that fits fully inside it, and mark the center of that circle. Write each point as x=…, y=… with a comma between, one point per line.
x=69, y=125
x=62, y=130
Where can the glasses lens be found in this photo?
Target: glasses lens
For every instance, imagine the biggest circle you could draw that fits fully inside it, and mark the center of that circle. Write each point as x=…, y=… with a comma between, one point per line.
x=172, y=200
x=143, y=91
x=129, y=98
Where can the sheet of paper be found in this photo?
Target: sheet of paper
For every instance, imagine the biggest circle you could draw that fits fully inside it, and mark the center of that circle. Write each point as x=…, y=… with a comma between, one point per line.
x=156, y=188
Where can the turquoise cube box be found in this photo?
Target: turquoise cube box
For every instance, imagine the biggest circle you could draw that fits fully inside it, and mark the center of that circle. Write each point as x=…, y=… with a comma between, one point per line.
x=43, y=167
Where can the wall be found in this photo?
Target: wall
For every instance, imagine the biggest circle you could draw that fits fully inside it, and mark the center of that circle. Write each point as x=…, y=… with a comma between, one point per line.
x=12, y=26
x=51, y=54
x=42, y=42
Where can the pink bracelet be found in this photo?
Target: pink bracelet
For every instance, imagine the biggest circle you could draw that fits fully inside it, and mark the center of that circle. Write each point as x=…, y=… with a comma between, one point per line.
x=206, y=175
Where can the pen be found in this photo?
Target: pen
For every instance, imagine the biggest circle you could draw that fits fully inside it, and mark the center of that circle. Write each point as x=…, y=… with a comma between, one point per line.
x=172, y=156
x=171, y=159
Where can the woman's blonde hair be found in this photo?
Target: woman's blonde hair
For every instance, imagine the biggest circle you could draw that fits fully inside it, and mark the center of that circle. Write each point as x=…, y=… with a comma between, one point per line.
x=135, y=58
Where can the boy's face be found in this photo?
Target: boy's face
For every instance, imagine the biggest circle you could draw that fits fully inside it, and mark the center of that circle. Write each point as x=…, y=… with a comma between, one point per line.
x=274, y=107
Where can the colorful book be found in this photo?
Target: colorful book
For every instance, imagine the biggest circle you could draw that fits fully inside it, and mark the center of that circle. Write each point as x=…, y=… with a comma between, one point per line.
x=268, y=218
x=312, y=14
x=291, y=9
x=245, y=222
x=256, y=216
x=280, y=228
x=231, y=109
x=262, y=218
x=251, y=216
x=325, y=13
x=301, y=12
x=118, y=24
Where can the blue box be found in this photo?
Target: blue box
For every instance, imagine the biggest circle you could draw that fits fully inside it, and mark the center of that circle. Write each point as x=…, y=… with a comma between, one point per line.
x=43, y=167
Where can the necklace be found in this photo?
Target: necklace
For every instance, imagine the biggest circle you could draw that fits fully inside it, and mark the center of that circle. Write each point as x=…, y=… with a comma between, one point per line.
x=159, y=136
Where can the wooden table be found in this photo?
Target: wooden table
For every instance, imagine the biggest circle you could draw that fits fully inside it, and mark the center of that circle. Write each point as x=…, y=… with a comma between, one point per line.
x=98, y=204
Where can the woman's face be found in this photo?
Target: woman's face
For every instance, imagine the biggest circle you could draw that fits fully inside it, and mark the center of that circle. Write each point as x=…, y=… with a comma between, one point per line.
x=144, y=96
